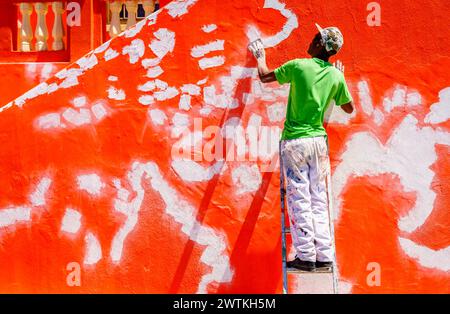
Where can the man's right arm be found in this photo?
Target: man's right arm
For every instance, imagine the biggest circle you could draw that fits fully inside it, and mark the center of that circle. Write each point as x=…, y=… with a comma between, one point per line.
x=265, y=75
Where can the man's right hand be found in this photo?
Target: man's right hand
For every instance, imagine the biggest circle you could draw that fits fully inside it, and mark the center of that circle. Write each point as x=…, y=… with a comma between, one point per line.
x=257, y=49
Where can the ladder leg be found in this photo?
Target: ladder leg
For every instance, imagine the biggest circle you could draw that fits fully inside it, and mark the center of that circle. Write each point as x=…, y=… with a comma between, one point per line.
x=283, y=228
x=331, y=222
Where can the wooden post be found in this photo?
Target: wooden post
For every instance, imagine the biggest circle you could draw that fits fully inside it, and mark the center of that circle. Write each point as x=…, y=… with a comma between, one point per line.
x=26, y=34
x=114, y=27
x=132, y=7
x=149, y=6
x=41, y=31
x=58, y=30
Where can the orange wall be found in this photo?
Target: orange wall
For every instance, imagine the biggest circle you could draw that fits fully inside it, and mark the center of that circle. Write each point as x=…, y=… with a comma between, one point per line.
x=101, y=144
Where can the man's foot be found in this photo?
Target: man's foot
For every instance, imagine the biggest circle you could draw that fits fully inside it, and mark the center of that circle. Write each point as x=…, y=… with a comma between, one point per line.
x=324, y=265
x=301, y=265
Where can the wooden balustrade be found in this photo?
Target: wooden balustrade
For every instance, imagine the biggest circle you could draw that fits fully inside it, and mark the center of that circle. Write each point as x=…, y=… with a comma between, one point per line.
x=40, y=34
x=117, y=19
x=120, y=14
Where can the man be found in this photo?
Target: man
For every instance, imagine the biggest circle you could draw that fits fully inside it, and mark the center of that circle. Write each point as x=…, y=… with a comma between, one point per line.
x=304, y=146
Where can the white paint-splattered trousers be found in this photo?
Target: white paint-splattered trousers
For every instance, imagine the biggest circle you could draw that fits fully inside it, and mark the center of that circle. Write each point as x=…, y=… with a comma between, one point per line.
x=306, y=167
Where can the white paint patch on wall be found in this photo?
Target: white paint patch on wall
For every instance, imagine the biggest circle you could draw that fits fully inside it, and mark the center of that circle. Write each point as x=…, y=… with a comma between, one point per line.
x=337, y=115
x=246, y=178
x=206, y=63
x=77, y=117
x=191, y=89
x=49, y=121
x=37, y=198
x=209, y=28
x=87, y=62
x=114, y=93
x=110, y=54
x=13, y=215
x=168, y=93
x=99, y=111
x=185, y=102
x=135, y=50
x=202, y=50
x=157, y=116
x=79, y=101
x=154, y=72
x=164, y=43
x=91, y=183
x=146, y=100
x=437, y=259
x=93, y=249
x=71, y=221
x=440, y=111
x=147, y=63
x=147, y=87
x=276, y=112
x=190, y=171
x=178, y=8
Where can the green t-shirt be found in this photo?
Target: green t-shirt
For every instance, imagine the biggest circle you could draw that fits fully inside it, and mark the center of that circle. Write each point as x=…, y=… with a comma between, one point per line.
x=314, y=84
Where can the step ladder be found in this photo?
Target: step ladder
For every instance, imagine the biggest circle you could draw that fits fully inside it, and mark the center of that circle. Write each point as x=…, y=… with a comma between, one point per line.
x=316, y=280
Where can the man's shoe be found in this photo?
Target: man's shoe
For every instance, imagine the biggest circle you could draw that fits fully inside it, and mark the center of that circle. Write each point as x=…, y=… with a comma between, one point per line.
x=301, y=265
x=324, y=265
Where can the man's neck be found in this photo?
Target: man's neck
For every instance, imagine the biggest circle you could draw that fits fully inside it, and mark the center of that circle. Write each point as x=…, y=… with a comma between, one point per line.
x=322, y=57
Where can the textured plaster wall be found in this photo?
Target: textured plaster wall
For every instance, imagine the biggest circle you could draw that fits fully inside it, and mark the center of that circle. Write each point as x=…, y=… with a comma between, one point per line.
x=88, y=174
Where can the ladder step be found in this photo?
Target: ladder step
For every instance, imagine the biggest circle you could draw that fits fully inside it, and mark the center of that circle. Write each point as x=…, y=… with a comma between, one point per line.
x=287, y=231
x=316, y=271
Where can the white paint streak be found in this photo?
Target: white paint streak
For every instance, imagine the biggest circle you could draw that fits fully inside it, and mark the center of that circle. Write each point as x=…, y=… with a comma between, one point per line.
x=438, y=259
x=182, y=212
x=93, y=249
x=365, y=98
x=291, y=23
x=191, y=171
x=409, y=154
